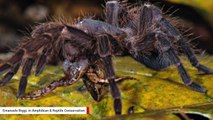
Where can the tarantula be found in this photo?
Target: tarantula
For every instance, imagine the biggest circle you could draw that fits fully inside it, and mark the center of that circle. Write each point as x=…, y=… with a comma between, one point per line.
x=142, y=32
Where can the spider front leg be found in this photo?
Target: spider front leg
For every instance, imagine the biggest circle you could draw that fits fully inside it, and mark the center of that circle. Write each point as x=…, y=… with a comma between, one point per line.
x=104, y=51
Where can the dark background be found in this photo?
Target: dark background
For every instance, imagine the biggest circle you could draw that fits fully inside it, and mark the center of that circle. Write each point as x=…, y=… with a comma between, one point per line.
x=17, y=17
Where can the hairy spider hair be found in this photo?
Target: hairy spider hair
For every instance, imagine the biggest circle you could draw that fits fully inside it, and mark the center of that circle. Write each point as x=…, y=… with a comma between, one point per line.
x=86, y=47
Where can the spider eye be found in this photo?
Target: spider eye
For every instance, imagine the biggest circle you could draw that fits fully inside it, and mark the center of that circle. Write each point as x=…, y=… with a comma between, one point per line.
x=147, y=4
x=81, y=22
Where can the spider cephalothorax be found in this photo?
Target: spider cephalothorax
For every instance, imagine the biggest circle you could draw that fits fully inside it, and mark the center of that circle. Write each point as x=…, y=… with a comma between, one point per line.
x=142, y=32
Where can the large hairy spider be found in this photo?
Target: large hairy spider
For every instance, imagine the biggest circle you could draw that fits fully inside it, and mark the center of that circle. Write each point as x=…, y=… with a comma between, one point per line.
x=142, y=32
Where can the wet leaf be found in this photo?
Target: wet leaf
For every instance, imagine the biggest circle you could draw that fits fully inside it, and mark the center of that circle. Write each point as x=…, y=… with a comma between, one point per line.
x=156, y=95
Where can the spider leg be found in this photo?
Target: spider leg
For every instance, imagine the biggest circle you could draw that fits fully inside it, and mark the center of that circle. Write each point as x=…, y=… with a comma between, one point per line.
x=9, y=75
x=15, y=59
x=4, y=68
x=26, y=55
x=42, y=61
x=112, y=9
x=31, y=48
x=162, y=55
x=175, y=60
x=25, y=73
x=184, y=75
x=12, y=64
x=107, y=61
x=40, y=65
x=104, y=52
x=191, y=56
